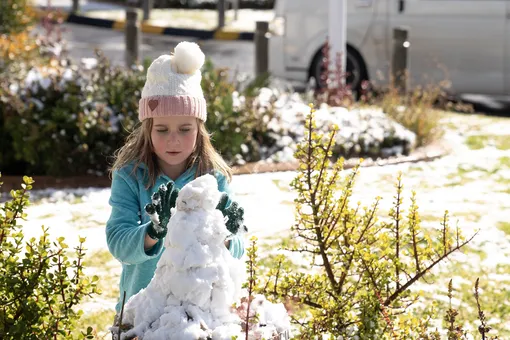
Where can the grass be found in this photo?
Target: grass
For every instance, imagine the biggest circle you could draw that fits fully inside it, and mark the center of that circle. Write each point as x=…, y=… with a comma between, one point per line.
x=83, y=221
x=460, y=177
x=493, y=296
x=101, y=262
x=430, y=218
x=45, y=216
x=267, y=258
x=458, y=180
x=504, y=184
x=79, y=217
x=476, y=251
x=77, y=200
x=504, y=227
x=504, y=161
x=452, y=126
x=99, y=320
x=477, y=142
x=98, y=258
x=415, y=168
x=470, y=216
x=281, y=186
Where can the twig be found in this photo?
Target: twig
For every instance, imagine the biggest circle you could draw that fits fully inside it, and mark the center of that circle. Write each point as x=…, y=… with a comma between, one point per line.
x=483, y=328
x=121, y=314
x=422, y=273
x=397, y=230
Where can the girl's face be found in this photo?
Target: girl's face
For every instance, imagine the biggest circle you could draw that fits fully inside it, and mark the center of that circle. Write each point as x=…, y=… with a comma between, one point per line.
x=173, y=139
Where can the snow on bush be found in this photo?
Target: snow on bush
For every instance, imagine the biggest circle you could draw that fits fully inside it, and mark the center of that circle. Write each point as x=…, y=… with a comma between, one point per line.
x=363, y=132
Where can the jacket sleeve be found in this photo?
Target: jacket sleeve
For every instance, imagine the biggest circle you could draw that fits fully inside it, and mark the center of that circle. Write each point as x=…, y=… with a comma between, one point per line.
x=236, y=247
x=125, y=235
x=237, y=242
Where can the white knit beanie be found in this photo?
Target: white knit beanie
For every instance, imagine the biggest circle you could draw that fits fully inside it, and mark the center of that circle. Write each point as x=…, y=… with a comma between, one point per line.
x=173, y=85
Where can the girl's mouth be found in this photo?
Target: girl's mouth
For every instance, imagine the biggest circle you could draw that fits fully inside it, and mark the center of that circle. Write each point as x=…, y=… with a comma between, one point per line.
x=173, y=153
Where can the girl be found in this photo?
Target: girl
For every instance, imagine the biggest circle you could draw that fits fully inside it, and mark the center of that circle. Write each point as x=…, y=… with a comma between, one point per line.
x=171, y=147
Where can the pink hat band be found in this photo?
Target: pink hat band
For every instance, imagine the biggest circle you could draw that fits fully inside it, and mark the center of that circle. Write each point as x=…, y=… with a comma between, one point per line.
x=164, y=106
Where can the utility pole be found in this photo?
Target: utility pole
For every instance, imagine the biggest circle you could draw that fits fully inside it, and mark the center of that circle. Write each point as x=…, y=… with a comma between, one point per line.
x=337, y=35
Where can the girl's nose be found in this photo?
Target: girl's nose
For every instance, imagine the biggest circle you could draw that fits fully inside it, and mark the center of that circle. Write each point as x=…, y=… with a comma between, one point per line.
x=173, y=138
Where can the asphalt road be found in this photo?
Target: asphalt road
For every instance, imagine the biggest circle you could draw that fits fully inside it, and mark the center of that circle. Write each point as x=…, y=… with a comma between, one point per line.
x=83, y=40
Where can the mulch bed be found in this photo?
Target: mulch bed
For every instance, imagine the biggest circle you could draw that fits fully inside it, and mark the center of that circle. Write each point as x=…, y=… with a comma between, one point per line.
x=44, y=182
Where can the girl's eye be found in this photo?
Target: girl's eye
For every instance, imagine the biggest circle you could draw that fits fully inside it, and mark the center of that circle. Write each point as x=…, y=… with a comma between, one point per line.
x=185, y=130
x=161, y=131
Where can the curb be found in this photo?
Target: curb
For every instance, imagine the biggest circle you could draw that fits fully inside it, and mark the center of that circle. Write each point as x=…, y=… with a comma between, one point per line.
x=219, y=34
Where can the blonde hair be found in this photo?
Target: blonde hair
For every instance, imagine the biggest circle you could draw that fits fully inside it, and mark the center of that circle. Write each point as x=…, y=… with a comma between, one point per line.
x=138, y=149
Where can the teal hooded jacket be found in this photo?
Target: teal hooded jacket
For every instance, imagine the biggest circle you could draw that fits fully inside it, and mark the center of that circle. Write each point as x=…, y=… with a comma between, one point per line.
x=128, y=223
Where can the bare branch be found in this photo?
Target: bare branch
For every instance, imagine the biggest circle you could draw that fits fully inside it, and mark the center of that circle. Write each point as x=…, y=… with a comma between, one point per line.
x=400, y=290
x=344, y=200
x=397, y=232
x=323, y=166
x=444, y=223
x=413, y=223
x=369, y=222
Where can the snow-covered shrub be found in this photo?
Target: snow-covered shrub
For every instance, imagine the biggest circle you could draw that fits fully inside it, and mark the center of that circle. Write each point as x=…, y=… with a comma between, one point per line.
x=62, y=121
x=41, y=281
x=40, y=110
x=363, y=132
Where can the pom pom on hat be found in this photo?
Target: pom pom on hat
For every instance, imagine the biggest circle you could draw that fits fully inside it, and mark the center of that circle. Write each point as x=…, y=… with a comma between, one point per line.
x=188, y=58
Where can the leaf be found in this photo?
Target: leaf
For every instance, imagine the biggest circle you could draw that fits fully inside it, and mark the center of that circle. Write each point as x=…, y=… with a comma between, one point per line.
x=9, y=214
x=27, y=180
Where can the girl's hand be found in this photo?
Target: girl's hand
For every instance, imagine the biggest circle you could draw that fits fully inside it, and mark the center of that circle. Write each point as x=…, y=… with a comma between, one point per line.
x=234, y=214
x=160, y=210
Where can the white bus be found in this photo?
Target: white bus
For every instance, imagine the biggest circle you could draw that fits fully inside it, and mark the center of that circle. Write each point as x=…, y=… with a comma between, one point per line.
x=466, y=42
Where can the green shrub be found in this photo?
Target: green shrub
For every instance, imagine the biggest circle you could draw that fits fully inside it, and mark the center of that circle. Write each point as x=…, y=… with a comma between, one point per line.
x=63, y=120
x=40, y=285
x=234, y=116
x=361, y=268
x=60, y=119
x=416, y=111
x=16, y=16
x=16, y=47
x=60, y=123
x=42, y=115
